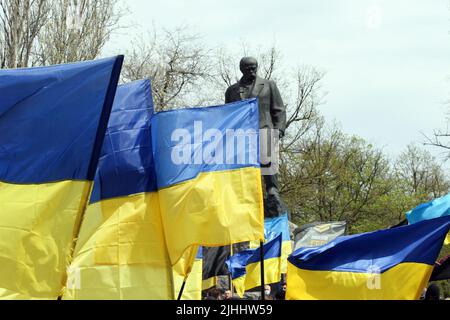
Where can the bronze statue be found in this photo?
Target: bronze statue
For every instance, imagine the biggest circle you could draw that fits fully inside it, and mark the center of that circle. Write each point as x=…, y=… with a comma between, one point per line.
x=272, y=115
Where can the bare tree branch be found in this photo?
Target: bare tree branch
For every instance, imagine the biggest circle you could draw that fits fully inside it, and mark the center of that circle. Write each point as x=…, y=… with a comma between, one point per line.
x=176, y=62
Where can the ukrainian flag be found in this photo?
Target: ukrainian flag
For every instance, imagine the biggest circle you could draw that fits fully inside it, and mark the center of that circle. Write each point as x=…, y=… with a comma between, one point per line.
x=274, y=227
x=437, y=208
x=121, y=251
x=208, y=176
x=245, y=266
x=52, y=124
x=393, y=264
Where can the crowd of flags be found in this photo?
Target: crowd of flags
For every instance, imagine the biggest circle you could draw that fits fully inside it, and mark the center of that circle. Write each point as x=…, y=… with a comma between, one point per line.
x=92, y=205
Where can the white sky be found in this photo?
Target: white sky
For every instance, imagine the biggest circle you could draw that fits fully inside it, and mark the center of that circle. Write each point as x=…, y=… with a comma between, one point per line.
x=387, y=63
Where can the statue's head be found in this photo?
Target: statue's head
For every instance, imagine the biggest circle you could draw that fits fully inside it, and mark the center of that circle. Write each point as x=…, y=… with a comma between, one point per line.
x=249, y=68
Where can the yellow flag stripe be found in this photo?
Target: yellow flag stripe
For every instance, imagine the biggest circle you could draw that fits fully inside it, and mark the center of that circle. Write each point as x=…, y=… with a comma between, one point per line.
x=37, y=223
x=215, y=209
x=121, y=252
x=209, y=283
x=272, y=274
x=405, y=281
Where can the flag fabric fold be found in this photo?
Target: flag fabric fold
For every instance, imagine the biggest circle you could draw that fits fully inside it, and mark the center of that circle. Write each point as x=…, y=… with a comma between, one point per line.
x=393, y=264
x=245, y=266
x=52, y=125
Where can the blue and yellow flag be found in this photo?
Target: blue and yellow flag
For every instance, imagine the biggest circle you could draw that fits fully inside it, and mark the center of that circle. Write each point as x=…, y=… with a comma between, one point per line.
x=245, y=266
x=52, y=125
x=121, y=251
x=275, y=226
x=437, y=208
x=393, y=264
x=208, y=174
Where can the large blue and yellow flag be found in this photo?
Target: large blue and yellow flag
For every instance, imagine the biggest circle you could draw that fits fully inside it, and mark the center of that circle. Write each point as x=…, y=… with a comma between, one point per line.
x=52, y=125
x=393, y=264
x=208, y=174
x=121, y=251
x=436, y=208
x=245, y=266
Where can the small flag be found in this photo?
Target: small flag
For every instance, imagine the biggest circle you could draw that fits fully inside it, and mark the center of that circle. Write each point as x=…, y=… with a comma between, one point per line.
x=245, y=266
x=274, y=227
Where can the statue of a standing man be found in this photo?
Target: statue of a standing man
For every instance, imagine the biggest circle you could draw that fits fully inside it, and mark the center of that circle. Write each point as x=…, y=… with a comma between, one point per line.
x=272, y=115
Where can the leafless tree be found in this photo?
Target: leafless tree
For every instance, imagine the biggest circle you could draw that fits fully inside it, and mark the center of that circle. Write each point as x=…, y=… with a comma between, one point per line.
x=20, y=23
x=303, y=111
x=44, y=32
x=175, y=61
x=440, y=139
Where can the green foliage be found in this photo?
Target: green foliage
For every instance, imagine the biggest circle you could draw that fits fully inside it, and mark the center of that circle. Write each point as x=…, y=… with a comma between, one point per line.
x=330, y=176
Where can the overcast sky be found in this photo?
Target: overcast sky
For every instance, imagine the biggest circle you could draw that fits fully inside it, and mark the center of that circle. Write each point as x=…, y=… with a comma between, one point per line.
x=387, y=63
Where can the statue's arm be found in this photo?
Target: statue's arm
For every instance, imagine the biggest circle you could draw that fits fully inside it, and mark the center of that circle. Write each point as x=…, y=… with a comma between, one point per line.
x=277, y=110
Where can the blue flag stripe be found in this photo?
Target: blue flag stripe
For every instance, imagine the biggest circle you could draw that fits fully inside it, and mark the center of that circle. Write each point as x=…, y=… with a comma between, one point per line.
x=126, y=165
x=77, y=98
x=276, y=226
x=195, y=123
x=237, y=263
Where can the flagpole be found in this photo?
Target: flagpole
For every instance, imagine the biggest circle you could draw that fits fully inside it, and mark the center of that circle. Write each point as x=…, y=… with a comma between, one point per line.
x=229, y=274
x=261, y=250
x=182, y=289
